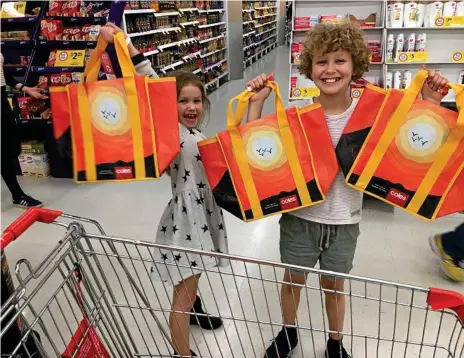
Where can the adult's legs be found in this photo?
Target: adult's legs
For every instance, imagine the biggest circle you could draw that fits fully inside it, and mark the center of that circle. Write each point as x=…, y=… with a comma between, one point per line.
x=9, y=176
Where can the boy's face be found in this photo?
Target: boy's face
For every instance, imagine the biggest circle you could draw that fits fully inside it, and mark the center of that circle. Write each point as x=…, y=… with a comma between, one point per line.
x=332, y=72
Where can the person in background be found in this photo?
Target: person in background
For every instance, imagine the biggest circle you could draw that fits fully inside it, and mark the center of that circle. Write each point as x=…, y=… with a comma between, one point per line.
x=449, y=247
x=333, y=57
x=11, y=146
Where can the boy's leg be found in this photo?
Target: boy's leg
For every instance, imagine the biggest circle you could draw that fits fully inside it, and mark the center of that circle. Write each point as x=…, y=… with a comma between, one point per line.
x=453, y=243
x=290, y=295
x=335, y=305
x=450, y=248
x=184, y=296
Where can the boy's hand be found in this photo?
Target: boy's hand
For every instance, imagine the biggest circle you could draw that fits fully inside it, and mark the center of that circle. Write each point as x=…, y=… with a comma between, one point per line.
x=435, y=87
x=258, y=85
x=108, y=31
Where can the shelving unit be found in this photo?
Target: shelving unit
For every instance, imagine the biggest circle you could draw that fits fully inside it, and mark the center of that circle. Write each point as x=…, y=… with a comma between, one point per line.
x=443, y=44
x=183, y=35
x=259, y=29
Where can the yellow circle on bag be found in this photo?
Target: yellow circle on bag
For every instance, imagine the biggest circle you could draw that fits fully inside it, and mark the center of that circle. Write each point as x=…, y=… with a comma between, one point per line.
x=109, y=110
x=420, y=138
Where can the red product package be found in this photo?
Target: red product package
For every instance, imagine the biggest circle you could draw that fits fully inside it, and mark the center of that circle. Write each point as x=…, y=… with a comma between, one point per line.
x=85, y=32
x=72, y=34
x=293, y=82
x=23, y=104
x=51, y=58
x=54, y=29
x=43, y=81
x=54, y=7
x=71, y=8
x=55, y=79
x=65, y=78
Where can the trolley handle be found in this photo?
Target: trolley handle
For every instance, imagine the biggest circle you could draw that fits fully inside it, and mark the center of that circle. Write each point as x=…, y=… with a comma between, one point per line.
x=25, y=221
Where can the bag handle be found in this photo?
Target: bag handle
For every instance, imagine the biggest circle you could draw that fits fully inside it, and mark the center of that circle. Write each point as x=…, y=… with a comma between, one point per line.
x=287, y=141
x=92, y=68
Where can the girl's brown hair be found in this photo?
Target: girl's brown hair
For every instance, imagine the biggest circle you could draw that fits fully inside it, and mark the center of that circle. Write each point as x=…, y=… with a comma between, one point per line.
x=184, y=78
x=326, y=38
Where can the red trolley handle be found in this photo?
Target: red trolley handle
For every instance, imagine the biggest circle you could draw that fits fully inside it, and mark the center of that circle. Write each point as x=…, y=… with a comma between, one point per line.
x=25, y=221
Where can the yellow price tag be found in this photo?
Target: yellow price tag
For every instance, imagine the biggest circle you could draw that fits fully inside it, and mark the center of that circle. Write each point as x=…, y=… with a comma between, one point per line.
x=356, y=92
x=458, y=57
x=450, y=21
x=70, y=58
x=297, y=59
x=13, y=9
x=408, y=57
x=307, y=92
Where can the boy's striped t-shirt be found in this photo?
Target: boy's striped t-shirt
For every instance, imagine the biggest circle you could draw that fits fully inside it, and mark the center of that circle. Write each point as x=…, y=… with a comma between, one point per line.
x=342, y=205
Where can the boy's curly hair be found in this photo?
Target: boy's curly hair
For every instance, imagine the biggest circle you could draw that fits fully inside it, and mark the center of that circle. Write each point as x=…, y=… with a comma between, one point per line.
x=326, y=38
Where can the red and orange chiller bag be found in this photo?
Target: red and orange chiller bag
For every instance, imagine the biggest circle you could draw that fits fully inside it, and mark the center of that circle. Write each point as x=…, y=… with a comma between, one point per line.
x=121, y=129
x=406, y=151
x=275, y=164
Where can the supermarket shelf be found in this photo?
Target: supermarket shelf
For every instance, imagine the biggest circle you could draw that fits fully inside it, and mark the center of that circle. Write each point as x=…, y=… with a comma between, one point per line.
x=189, y=23
x=139, y=11
x=216, y=80
x=79, y=19
x=248, y=10
x=249, y=33
x=211, y=39
x=445, y=28
x=266, y=15
x=267, y=38
x=172, y=66
x=214, y=65
x=149, y=53
x=190, y=9
x=249, y=46
x=36, y=121
x=248, y=22
x=61, y=43
x=177, y=43
x=14, y=43
x=265, y=7
x=42, y=69
x=19, y=20
x=157, y=31
x=196, y=72
x=266, y=23
x=211, y=25
x=15, y=69
x=210, y=11
x=213, y=52
x=265, y=32
x=191, y=56
x=422, y=63
x=164, y=14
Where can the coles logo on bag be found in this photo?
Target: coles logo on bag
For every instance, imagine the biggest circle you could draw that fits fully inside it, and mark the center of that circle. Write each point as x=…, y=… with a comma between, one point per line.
x=397, y=197
x=123, y=173
x=289, y=202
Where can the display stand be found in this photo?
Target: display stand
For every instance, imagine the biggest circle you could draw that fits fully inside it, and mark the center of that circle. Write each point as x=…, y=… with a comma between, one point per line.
x=259, y=29
x=183, y=35
x=443, y=49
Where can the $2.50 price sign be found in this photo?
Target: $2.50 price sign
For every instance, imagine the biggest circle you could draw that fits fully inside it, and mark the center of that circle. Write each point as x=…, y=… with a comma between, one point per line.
x=70, y=58
x=407, y=57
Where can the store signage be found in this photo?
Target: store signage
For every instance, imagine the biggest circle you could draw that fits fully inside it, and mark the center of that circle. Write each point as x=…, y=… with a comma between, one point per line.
x=458, y=57
x=70, y=58
x=307, y=92
x=408, y=57
x=13, y=9
x=450, y=21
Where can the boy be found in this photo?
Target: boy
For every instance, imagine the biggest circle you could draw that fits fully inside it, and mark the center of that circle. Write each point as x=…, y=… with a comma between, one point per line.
x=333, y=57
x=450, y=248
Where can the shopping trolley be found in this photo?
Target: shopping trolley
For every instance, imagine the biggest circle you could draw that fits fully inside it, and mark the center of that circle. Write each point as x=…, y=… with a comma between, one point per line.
x=94, y=293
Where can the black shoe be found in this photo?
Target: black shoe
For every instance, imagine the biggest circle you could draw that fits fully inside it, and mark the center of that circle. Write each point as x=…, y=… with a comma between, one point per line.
x=282, y=346
x=177, y=355
x=335, y=349
x=210, y=322
x=25, y=201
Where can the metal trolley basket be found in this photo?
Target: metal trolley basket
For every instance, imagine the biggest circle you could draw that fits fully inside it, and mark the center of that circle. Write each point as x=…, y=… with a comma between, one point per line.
x=106, y=282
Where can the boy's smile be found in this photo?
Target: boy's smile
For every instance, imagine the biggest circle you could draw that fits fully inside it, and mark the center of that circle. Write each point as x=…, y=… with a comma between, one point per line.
x=332, y=72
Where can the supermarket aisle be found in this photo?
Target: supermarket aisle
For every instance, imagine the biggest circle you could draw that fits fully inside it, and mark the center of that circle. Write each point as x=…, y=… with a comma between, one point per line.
x=391, y=247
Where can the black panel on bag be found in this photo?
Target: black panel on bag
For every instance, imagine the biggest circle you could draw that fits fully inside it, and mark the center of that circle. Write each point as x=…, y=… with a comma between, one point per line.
x=353, y=179
x=348, y=148
x=314, y=192
x=226, y=197
x=429, y=206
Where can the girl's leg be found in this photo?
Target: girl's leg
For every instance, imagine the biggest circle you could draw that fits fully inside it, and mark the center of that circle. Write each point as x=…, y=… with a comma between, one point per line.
x=184, y=296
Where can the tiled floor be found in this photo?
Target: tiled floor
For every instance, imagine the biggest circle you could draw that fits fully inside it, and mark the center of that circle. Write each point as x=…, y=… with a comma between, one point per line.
x=391, y=247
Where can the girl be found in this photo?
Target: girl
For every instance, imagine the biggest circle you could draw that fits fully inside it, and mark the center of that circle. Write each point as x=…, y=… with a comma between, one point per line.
x=192, y=219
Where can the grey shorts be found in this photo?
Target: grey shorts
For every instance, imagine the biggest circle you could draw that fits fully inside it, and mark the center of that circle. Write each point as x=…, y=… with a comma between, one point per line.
x=304, y=242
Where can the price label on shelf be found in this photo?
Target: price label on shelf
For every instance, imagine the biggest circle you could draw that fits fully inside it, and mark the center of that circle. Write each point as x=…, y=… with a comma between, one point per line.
x=70, y=58
x=458, y=57
x=450, y=21
x=13, y=9
x=408, y=57
x=307, y=92
x=297, y=58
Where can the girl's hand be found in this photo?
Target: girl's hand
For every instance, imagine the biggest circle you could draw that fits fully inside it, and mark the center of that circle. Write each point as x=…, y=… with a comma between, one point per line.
x=258, y=85
x=108, y=31
x=34, y=92
x=435, y=87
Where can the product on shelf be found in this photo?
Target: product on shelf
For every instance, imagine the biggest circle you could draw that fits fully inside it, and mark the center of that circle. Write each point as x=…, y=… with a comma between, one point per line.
x=78, y=8
x=375, y=48
x=9, y=11
x=33, y=108
x=33, y=160
x=15, y=35
x=55, y=30
x=369, y=21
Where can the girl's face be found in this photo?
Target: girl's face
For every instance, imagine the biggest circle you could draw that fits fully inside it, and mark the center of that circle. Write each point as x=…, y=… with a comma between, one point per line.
x=332, y=73
x=190, y=106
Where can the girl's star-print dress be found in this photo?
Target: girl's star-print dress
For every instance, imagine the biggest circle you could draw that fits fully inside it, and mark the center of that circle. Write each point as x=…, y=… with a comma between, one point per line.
x=192, y=219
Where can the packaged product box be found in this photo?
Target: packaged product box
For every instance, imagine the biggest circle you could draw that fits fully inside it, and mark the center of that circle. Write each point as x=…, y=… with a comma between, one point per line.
x=33, y=147
x=40, y=166
x=26, y=162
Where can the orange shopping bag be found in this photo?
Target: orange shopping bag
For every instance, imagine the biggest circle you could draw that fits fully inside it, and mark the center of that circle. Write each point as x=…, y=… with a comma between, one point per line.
x=406, y=151
x=121, y=129
x=272, y=165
